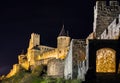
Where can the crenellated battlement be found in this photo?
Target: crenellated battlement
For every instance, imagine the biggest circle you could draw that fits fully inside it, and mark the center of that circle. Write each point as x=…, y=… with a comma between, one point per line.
x=109, y=3
x=113, y=30
x=108, y=6
x=76, y=58
x=104, y=13
x=35, y=35
x=35, y=40
x=114, y=3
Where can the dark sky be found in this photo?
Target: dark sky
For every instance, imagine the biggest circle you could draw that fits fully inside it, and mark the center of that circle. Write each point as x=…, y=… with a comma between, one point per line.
x=18, y=19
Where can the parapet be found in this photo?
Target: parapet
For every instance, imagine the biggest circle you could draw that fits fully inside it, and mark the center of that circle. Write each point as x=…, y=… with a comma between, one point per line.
x=109, y=3
x=114, y=3
x=35, y=35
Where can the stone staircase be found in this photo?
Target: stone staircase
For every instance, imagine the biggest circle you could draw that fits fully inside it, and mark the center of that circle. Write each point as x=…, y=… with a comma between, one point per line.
x=105, y=78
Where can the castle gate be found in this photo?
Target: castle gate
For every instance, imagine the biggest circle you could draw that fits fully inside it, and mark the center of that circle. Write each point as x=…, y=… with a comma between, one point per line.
x=106, y=60
x=104, y=56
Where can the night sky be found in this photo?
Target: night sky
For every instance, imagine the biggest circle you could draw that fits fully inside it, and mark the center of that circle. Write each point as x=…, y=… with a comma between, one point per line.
x=18, y=19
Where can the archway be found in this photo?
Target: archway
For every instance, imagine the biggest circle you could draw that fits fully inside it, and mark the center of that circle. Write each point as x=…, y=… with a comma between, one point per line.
x=105, y=60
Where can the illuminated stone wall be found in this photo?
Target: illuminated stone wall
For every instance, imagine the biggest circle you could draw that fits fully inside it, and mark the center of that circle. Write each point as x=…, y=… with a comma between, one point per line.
x=16, y=68
x=75, y=60
x=104, y=14
x=39, y=54
x=43, y=48
x=78, y=57
x=113, y=30
x=105, y=60
x=23, y=62
x=55, y=68
x=34, y=40
x=55, y=53
x=68, y=63
x=35, y=48
x=63, y=41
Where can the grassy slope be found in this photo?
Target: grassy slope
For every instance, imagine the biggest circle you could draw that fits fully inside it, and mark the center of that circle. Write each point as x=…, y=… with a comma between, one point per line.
x=27, y=77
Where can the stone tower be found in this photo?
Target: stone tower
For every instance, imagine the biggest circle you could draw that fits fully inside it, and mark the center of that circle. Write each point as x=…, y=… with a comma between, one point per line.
x=35, y=40
x=63, y=40
x=104, y=13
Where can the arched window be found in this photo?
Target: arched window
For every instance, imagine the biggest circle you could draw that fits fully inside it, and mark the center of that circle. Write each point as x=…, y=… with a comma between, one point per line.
x=105, y=60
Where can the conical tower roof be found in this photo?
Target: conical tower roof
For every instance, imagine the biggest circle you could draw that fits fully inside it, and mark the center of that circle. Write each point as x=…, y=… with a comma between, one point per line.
x=62, y=32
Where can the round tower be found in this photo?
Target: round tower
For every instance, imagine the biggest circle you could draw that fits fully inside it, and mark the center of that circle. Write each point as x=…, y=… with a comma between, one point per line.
x=63, y=40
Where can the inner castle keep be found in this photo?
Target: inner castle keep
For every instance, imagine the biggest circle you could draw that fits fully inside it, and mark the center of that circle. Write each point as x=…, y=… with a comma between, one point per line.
x=78, y=58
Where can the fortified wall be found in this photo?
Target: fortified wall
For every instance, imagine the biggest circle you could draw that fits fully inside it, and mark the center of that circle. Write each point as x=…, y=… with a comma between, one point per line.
x=55, y=68
x=16, y=68
x=38, y=54
x=104, y=13
x=75, y=60
x=112, y=31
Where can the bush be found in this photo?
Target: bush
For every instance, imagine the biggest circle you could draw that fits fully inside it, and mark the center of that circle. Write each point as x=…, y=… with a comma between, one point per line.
x=60, y=80
x=37, y=70
x=27, y=77
x=73, y=81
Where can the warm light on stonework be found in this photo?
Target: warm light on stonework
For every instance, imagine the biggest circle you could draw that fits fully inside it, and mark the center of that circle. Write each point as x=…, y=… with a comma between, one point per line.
x=105, y=60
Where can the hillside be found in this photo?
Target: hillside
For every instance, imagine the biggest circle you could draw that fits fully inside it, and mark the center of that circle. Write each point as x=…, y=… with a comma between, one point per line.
x=36, y=76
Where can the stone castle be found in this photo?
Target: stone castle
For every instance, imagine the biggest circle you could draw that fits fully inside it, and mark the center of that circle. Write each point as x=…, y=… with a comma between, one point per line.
x=38, y=54
x=72, y=59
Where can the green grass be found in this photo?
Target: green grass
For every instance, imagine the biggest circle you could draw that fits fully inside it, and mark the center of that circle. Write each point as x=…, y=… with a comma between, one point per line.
x=33, y=77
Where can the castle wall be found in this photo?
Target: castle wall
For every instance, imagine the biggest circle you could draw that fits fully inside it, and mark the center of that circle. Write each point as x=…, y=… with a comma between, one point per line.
x=34, y=40
x=31, y=56
x=75, y=61
x=48, y=54
x=43, y=61
x=55, y=68
x=106, y=26
x=16, y=68
x=25, y=65
x=39, y=54
x=45, y=48
x=87, y=57
x=113, y=30
x=22, y=58
x=35, y=49
x=68, y=64
x=63, y=41
x=104, y=14
x=23, y=62
x=91, y=36
x=79, y=54
x=56, y=53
